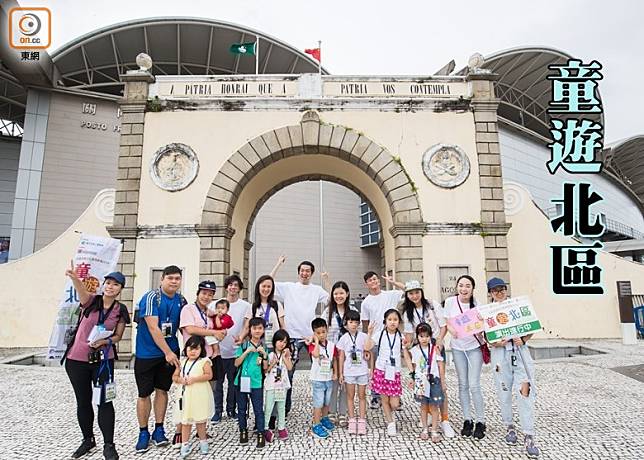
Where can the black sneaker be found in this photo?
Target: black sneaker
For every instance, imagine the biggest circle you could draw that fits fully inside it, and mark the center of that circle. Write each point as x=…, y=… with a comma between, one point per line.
x=468, y=426
x=271, y=423
x=86, y=447
x=261, y=441
x=109, y=452
x=243, y=436
x=231, y=414
x=176, y=440
x=479, y=431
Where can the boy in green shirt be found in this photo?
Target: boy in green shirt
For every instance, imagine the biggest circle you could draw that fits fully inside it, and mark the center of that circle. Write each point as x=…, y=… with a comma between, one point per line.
x=251, y=360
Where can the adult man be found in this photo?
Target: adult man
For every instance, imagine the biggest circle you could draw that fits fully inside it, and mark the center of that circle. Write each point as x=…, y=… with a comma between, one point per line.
x=514, y=375
x=373, y=311
x=238, y=309
x=157, y=350
x=300, y=301
x=194, y=321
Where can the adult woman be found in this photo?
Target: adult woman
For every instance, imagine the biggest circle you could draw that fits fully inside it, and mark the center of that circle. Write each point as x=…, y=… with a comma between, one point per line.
x=264, y=306
x=513, y=373
x=334, y=316
x=468, y=359
x=416, y=310
x=89, y=364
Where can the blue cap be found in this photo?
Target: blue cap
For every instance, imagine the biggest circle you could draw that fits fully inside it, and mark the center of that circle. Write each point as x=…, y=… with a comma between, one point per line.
x=116, y=276
x=495, y=282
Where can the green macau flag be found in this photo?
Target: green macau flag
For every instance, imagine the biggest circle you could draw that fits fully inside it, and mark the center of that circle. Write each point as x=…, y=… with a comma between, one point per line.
x=247, y=49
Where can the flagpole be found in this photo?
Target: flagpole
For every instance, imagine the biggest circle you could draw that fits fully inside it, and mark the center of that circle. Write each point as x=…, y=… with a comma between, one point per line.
x=256, y=54
x=320, y=60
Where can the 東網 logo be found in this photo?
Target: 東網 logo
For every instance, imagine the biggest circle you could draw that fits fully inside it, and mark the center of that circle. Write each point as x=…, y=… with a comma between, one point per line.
x=29, y=28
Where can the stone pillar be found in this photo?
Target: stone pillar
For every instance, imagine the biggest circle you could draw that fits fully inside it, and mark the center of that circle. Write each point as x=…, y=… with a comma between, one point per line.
x=408, y=248
x=494, y=228
x=214, y=254
x=248, y=245
x=128, y=179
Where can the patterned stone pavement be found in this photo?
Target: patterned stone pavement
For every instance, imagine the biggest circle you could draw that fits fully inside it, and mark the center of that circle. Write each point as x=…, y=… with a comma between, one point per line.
x=584, y=409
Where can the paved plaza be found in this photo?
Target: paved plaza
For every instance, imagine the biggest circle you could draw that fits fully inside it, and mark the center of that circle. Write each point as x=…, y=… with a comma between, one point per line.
x=585, y=410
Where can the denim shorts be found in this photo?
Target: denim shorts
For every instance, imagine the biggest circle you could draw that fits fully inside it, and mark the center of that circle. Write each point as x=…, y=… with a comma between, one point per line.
x=322, y=393
x=357, y=379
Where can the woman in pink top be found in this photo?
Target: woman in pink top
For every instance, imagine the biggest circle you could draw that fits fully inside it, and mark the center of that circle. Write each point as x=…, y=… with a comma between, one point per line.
x=89, y=359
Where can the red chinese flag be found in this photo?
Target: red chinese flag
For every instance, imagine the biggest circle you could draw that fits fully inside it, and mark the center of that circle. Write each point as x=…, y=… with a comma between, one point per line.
x=315, y=52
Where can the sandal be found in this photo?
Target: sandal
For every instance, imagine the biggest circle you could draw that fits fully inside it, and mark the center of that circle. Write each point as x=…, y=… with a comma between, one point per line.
x=342, y=421
x=436, y=437
x=424, y=435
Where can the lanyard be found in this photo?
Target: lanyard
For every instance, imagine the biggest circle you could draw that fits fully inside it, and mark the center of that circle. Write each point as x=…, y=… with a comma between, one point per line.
x=245, y=364
x=170, y=308
x=353, y=340
x=421, y=319
x=326, y=351
x=183, y=389
x=391, y=345
x=459, y=304
x=105, y=363
x=102, y=316
x=266, y=312
x=203, y=316
x=431, y=348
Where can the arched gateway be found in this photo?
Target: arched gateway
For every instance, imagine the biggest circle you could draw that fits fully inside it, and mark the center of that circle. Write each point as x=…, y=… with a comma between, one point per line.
x=309, y=150
x=200, y=155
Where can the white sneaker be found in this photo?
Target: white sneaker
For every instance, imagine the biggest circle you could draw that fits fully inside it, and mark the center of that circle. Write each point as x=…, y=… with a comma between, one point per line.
x=448, y=431
x=391, y=429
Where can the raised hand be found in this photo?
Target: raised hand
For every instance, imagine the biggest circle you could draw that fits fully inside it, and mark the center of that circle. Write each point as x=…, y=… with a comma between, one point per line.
x=281, y=259
x=71, y=272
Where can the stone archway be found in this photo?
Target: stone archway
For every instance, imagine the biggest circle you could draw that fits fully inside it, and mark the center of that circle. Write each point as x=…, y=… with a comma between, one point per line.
x=311, y=136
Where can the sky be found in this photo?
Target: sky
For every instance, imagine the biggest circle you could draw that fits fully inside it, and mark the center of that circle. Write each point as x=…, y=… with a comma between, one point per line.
x=405, y=37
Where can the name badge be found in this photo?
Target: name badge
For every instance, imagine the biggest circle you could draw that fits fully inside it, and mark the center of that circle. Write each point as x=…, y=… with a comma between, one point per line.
x=97, y=395
x=100, y=327
x=325, y=366
x=390, y=373
x=279, y=394
x=244, y=384
x=356, y=358
x=268, y=335
x=110, y=392
x=166, y=330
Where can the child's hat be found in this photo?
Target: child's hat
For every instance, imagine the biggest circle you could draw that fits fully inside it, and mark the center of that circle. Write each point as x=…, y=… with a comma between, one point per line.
x=412, y=285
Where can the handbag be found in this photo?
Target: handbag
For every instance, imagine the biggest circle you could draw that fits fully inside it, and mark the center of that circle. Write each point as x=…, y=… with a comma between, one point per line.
x=485, y=350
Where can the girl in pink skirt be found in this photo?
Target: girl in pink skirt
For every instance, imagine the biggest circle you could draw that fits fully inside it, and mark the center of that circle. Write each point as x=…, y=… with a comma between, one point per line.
x=386, y=373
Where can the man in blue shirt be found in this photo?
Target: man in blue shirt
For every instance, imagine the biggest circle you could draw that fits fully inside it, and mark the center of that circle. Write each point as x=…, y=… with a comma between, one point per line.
x=157, y=351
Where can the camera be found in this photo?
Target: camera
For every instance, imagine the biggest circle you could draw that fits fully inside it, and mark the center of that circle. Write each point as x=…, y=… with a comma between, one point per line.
x=278, y=374
x=70, y=335
x=94, y=356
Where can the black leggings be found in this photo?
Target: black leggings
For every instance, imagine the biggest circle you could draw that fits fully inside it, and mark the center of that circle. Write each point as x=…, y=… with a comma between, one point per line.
x=82, y=375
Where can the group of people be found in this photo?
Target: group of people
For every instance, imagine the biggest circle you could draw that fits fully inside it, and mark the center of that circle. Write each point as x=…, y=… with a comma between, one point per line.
x=255, y=348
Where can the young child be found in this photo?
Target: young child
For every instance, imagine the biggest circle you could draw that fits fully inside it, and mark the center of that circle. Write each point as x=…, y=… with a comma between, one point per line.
x=195, y=404
x=386, y=373
x=250, y=361
x=277, y=383
x=427, y=366
x=353, y=371
x=323, y=373
x=220, y=317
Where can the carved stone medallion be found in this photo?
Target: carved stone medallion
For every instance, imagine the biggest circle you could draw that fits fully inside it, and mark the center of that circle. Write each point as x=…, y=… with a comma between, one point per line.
x=446, y=165
x=174, y=167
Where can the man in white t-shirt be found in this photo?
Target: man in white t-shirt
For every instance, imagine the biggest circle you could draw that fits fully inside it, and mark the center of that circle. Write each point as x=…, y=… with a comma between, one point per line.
x=238, y=310
x=373, y=311
x=300, y=302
